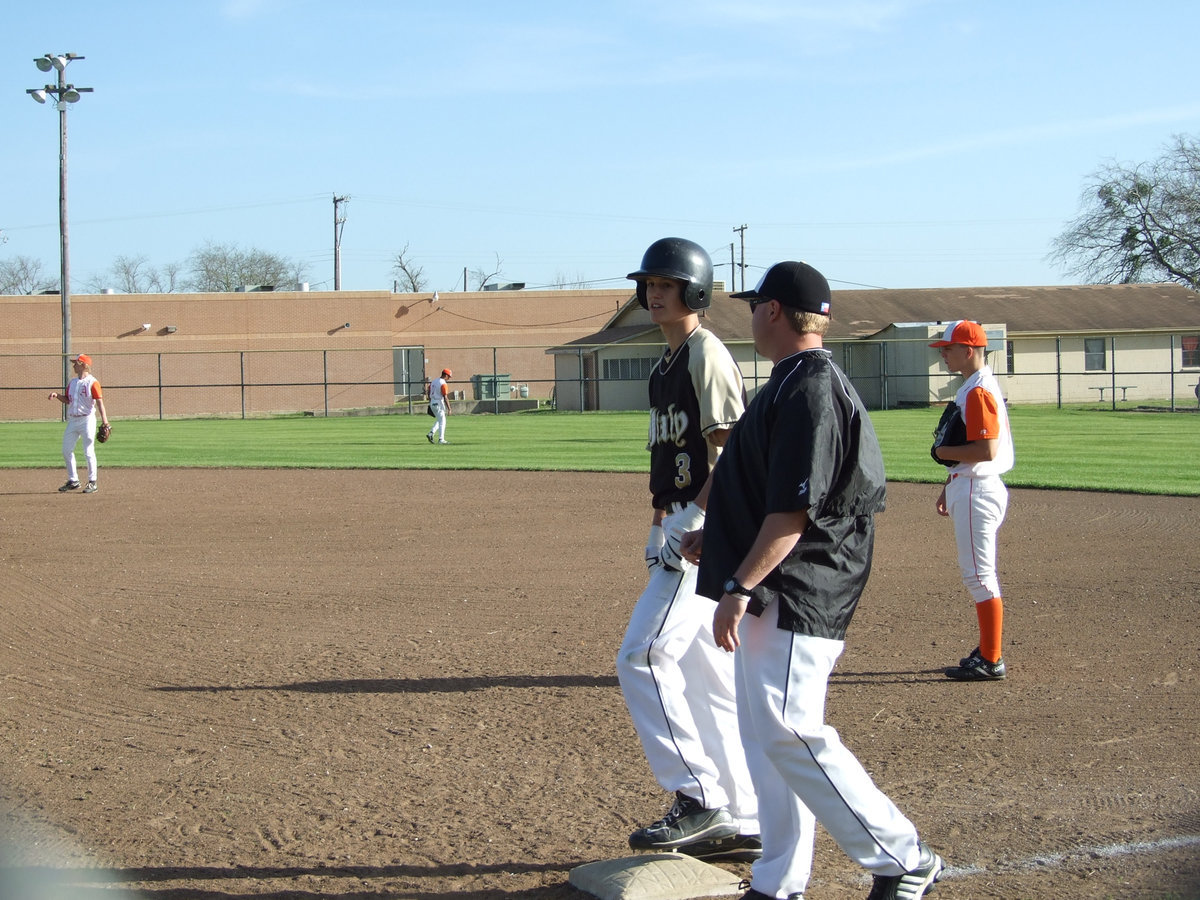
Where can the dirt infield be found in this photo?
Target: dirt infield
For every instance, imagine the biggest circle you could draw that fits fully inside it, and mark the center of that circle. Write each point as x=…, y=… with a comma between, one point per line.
x=303, y=684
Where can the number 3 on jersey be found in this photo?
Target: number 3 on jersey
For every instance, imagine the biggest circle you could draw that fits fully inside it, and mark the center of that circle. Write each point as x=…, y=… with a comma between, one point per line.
x=683, y=470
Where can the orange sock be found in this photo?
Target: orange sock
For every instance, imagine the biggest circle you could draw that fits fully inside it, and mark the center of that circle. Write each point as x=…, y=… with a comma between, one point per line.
x=991, y=628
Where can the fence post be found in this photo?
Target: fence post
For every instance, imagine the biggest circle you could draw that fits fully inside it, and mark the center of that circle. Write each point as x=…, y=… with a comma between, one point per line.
x=579, y=359
x=325, y=379
x=242, y=379
x=160, y=387
x=1058, y=368
x=883, y=382
x=1112, y=367
x=495, y=384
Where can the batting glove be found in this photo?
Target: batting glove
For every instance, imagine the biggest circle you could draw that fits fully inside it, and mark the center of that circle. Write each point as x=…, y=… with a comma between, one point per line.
x=654, y=545
x=675, y=526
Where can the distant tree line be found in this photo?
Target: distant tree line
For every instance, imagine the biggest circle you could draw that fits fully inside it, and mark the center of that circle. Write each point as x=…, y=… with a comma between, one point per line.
x=212, y=268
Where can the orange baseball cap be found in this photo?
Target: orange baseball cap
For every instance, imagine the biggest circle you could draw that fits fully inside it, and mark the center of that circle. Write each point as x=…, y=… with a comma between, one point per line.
x=447, y=373
x=83, y=358
x=963, y=332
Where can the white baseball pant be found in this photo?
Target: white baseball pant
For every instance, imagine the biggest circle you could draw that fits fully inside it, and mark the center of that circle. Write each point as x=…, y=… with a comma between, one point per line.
x=977, y=506
x=678, y=686
x=80, y=428
x=800, y=767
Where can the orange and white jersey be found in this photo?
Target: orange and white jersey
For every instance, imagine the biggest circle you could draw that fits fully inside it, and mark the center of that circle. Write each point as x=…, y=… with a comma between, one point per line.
x=82, y=394
x=981, y=403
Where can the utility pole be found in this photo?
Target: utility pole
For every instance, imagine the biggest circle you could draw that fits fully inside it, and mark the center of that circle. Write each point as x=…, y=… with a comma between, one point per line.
x=339, y=222
x=732, y=270
x=741, y=230
x=63, y=94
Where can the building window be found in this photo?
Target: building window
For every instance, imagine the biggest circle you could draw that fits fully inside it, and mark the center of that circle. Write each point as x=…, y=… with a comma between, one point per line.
x=1009, y=358
x=1095, y=356
x=637, y=368
x=1191, y=351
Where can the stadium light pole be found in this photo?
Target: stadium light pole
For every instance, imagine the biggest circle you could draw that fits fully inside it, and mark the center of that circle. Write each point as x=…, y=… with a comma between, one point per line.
x=63, y=94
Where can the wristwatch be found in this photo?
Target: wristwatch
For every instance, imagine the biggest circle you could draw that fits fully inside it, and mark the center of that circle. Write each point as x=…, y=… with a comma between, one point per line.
x=734, y=588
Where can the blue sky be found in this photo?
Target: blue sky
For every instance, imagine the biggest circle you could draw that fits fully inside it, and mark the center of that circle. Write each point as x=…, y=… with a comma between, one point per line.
x=898, y=143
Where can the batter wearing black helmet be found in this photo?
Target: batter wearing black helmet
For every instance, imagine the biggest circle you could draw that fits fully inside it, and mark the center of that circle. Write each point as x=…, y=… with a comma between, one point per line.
x=677, y=684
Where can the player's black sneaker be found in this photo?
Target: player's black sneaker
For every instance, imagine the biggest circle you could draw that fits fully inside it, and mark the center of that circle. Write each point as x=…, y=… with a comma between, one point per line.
x=966, y=660
x=686, y=823
x=752, y=894
x=429, y=437
x=69, y=486
x=745, y=847
x=976, y=668
x=910, y=885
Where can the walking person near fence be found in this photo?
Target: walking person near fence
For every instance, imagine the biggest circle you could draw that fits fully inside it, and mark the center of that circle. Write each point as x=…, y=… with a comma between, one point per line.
x=83, y=399
x=439, y=405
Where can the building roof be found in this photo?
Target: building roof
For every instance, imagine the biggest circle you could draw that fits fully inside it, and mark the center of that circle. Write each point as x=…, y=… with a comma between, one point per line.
x=1067, y=309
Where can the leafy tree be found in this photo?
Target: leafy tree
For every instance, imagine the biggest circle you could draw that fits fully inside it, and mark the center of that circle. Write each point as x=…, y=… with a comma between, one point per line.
x=227, y=267
x=135, y=275
x=1139, y=223
x=24, y=275
x=411, y=277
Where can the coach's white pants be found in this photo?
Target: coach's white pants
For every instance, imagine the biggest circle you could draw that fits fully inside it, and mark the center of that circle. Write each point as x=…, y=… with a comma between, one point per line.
x=678, y=686
x=800, y=767
x=80, y=428
x=978, y=507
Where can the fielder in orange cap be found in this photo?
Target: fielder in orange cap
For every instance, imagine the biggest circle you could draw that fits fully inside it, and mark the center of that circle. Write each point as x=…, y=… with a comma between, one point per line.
x=974, y=495
x=83, y=399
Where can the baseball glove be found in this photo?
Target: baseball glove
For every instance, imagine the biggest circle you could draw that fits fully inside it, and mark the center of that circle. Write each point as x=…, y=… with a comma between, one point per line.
x=103, y=433
x=951, y=431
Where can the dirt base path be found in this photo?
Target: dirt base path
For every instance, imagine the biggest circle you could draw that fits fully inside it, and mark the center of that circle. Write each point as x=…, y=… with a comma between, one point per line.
x=312, y=684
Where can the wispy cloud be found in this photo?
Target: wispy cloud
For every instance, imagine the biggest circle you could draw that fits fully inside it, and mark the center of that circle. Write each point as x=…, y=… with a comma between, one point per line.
x=1012, y=137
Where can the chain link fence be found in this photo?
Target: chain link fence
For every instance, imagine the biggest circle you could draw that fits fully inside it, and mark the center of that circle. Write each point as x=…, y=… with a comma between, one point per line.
x=1134, y=372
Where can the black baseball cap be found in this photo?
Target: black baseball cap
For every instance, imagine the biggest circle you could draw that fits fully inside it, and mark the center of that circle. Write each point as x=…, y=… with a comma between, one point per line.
x=793, y=284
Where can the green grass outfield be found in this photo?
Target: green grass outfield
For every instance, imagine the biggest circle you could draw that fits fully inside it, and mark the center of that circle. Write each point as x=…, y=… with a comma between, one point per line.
x=1151, y=453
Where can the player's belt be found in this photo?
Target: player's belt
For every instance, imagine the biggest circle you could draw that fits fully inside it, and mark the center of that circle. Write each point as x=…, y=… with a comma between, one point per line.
x=676, y=507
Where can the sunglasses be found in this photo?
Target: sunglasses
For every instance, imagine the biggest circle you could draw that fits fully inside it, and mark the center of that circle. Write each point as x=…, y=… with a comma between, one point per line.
x=757, y=302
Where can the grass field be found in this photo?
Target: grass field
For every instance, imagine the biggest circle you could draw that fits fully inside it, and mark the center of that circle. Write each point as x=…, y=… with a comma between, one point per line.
x=1152, y=453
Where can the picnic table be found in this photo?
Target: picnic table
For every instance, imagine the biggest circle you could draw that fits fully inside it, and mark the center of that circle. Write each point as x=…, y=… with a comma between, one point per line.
x=1115, y=387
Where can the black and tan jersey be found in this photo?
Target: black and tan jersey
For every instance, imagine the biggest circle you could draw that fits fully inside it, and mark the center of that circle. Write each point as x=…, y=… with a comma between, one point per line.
x=692, y=391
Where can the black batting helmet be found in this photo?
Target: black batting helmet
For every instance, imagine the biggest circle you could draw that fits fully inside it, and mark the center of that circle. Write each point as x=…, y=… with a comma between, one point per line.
x=681, y=259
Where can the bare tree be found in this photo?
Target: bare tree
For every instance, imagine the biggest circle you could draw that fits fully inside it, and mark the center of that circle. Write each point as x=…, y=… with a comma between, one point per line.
x=24, y=275
x=1139, y=223
x=410, y=276
x=135, y=275
x=227, y=267
x=562, y=281
x=482, y=277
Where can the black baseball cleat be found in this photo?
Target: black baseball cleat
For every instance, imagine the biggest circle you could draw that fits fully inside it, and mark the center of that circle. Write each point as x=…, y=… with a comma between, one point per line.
x=69, y=486
x=753, y=894
x=976, y=668
x=913, y=884
x=429, y=437
x=686, y=823
x=742, y=847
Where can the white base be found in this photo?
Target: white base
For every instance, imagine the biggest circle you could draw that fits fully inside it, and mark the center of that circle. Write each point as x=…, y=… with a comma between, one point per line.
x=654, y=876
